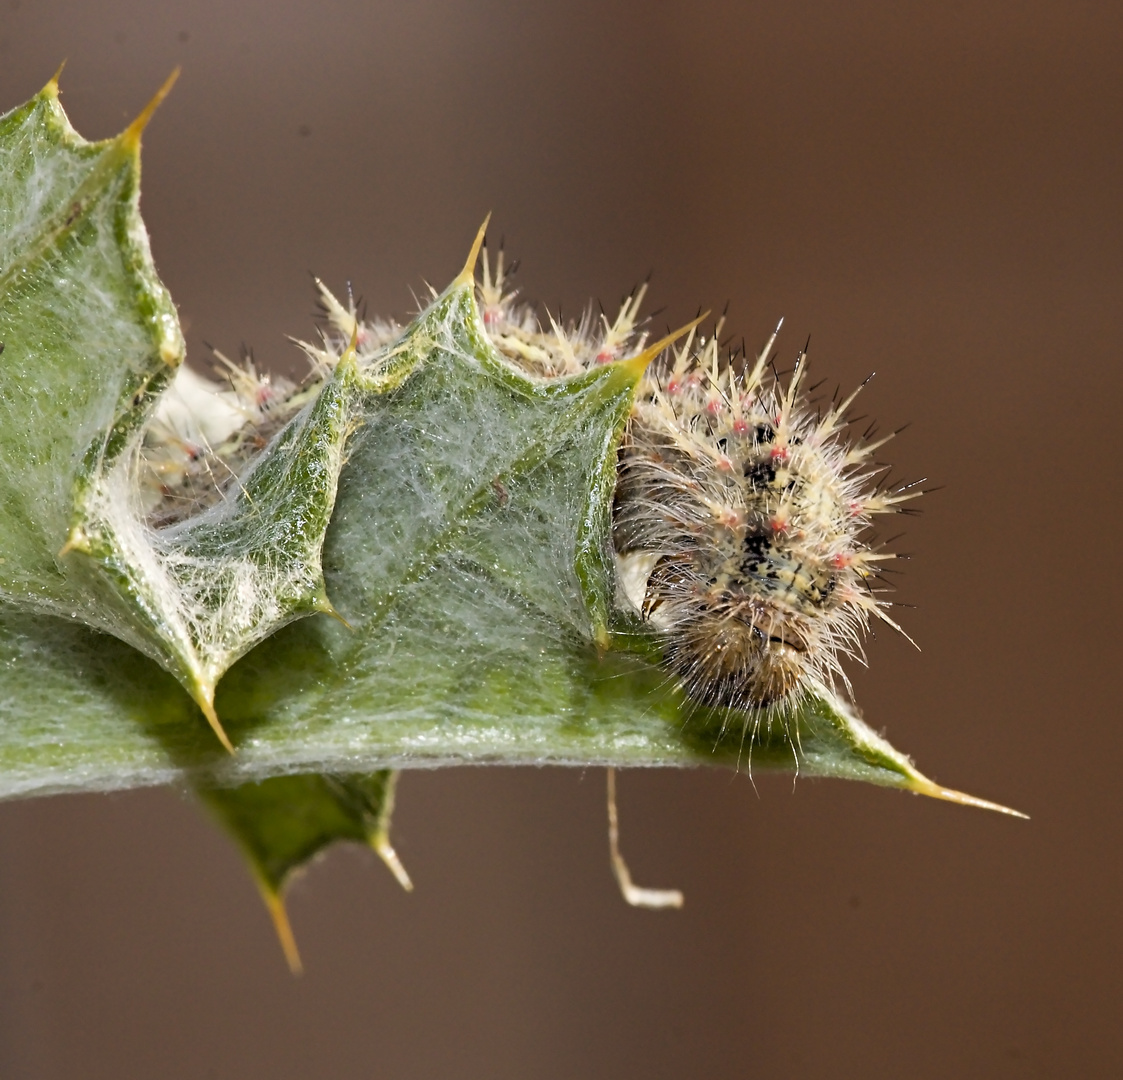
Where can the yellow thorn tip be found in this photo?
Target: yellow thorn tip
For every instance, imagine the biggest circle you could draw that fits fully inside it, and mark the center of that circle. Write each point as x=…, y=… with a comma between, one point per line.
x=52, y=83
x=921, y=785
x=205, y=699
x=351, y=353
x=639, y=363
x=467, y=276
x=326, y=607
x=275, y=905
x=130, y=137
x=76, y=541
x=385, y=851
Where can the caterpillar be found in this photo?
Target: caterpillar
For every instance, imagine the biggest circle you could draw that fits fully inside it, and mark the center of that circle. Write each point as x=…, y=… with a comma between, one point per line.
x=740, y=524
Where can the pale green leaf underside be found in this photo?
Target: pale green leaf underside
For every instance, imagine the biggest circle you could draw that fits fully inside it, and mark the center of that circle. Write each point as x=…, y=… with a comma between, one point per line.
x=468, y=548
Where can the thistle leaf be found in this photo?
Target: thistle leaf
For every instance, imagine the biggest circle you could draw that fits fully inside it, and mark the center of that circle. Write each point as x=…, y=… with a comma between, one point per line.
x=455, y=509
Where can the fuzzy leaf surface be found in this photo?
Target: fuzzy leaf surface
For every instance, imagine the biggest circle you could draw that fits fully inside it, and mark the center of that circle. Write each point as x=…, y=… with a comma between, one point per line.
x=468, y=548
x=90, y=338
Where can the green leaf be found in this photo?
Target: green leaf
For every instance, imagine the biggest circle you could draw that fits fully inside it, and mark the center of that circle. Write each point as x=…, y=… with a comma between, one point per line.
x=91, y=338
x=283, y=823
x=468, y=547
x=456, y=511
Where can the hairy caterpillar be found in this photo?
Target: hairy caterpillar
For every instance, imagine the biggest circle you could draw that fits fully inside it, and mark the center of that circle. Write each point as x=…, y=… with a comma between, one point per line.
x=739, y=522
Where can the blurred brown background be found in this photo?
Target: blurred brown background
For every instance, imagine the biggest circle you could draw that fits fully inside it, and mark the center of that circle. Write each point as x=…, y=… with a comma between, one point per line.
x=931, y=191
